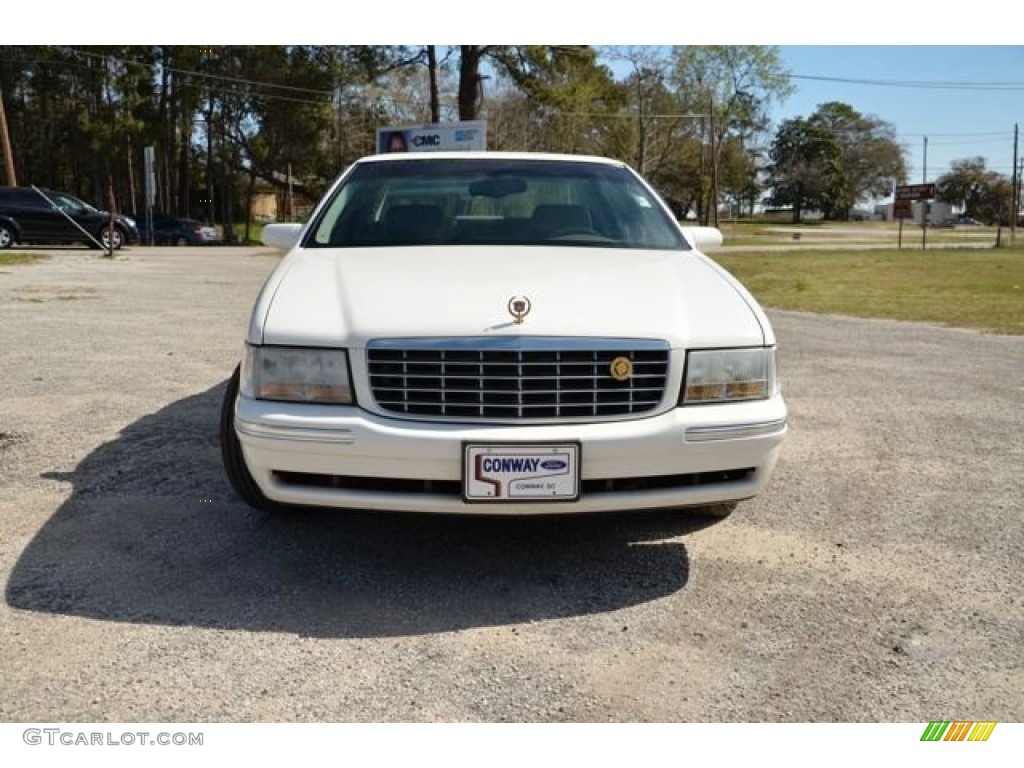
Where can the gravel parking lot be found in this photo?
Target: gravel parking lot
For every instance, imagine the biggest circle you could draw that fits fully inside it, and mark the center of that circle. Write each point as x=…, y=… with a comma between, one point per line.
x=879, y=578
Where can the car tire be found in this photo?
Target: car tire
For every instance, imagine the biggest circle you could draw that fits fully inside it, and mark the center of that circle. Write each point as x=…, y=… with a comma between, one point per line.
x=7, y=237
x=234, y=461
x=107, y=238
x=180, y=241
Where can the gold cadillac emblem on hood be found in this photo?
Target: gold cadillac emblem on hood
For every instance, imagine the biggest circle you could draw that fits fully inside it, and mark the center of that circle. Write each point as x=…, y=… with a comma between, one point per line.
x=621, y=368
x=519, y=308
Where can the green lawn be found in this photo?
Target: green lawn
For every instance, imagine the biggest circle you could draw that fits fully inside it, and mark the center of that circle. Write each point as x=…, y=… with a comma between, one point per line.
x=6, y=259
x=981, y=289
x=750, y=234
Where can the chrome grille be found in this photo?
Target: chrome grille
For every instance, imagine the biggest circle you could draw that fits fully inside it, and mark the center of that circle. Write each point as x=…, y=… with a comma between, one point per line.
x=516, y=378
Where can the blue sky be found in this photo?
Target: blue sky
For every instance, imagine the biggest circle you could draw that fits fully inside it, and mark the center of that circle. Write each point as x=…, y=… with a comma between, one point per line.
x=962, y=122
x=965, y=99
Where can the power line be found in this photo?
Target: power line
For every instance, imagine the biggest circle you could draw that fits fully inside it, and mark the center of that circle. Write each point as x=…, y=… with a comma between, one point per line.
x=922, y=84
x=240, y=83
x=206, y=75
x=234, y=92
x=1006, y=138
x=947, y=135
x=228, y=90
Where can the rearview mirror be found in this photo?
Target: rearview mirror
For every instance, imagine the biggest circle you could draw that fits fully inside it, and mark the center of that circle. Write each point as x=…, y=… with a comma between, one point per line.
x=281, y=236
x=497, y=186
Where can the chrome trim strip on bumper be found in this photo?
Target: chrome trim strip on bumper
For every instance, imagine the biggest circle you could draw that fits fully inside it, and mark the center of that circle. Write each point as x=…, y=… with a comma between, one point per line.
x=733, y=431
x=302, y=434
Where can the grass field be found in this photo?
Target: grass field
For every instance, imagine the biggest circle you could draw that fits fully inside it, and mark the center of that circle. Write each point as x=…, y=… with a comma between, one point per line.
x=975, y=288
x=749, y=233
x=6, y=259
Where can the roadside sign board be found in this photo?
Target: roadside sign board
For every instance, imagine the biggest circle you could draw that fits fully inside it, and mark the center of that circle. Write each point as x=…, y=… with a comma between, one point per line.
x=915, y=192
x=433, y=137
x=903, y=209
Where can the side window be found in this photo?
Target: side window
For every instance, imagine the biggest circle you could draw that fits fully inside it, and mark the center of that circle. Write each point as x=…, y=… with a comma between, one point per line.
x=27, y=198
x=66, y=203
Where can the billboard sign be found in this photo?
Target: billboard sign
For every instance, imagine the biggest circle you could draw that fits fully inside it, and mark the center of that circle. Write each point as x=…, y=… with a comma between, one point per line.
x=433, y=137
x=903, y=209
x=915, y=192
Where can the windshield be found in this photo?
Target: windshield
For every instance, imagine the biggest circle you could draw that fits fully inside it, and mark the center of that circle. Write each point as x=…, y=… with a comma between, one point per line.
x=483, y=201
x=69, y=203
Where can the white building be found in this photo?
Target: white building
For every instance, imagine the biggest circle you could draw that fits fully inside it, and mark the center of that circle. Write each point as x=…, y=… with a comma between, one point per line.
x=938, y=213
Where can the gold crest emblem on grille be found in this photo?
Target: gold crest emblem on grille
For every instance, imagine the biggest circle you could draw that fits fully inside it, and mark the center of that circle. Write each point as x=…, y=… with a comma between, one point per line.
x=519, y=308
x=621, y=368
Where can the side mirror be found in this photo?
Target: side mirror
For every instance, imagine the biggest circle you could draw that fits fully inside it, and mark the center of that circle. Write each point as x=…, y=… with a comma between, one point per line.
x=703, y=238
x=281, y=236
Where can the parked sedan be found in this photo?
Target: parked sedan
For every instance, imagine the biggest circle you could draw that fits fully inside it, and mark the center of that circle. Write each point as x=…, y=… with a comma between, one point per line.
x=172, y=230
x=495, y=333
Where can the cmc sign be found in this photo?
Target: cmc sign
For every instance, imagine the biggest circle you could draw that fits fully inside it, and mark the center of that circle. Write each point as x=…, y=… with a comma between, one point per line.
x=436, y=137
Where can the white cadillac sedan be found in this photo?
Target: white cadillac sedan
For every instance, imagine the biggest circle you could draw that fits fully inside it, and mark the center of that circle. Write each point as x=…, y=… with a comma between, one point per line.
x=494, y=333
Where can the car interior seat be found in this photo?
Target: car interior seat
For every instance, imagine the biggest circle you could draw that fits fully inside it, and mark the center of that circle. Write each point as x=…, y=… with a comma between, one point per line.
x=413, y=224
x=549, y=218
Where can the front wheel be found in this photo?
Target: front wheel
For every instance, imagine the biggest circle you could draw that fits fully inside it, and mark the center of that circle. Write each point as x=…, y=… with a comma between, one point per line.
x=234, y=461
x=110, y=239
x=6, y=236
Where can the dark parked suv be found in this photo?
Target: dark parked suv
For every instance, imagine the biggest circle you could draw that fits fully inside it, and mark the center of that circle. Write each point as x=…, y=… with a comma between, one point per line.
x=29, y=218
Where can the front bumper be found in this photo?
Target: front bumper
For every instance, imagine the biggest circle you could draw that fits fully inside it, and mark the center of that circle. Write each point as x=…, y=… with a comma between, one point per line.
x=345, y=457
x=131, y=233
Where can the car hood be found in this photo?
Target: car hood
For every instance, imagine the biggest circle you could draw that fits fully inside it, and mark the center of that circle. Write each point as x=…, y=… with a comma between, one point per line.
x=106, y=214
x=345, y=298
x=120, y=217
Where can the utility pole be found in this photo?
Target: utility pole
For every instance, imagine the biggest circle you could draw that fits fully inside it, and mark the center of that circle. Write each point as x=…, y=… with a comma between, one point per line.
x=131, y=178
x=1020, y=175
x=925, y=204
x=208, y=61
x=714, y=164
x=701, y=206
x=435, y=91
x=290, y=208
x=1014, y=193
x=641, y=127
x=12, y=179
x=924, y=171
x=210, y=212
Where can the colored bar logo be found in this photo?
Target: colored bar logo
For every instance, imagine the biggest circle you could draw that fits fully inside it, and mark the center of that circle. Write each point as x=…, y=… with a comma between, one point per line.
x=960, y=730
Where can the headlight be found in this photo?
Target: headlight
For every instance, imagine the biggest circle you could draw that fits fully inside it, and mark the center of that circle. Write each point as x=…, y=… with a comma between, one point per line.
x=296, y=374
x=724, y=375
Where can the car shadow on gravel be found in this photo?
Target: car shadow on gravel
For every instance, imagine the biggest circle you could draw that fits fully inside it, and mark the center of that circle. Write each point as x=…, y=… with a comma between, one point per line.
x=153, y=533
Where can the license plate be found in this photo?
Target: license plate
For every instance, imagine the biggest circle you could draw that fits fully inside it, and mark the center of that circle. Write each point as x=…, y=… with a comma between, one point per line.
x=518, y=472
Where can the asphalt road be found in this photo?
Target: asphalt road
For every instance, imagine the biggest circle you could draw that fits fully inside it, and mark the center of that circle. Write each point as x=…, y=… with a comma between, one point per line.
x=877, y=579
